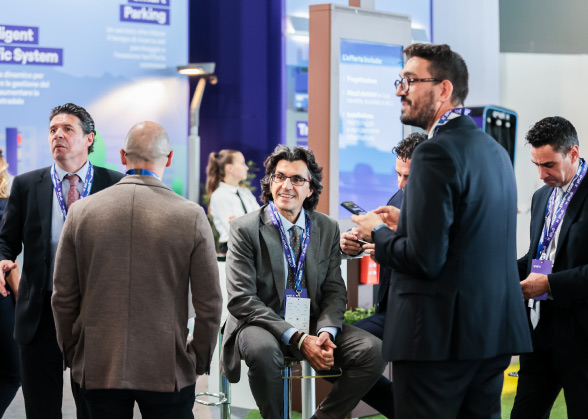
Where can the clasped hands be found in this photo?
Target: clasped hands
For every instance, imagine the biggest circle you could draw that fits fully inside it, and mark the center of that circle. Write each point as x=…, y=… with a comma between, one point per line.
x=319, y=351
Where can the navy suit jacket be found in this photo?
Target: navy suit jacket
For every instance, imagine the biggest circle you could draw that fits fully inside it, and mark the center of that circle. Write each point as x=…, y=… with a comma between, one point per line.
x=385, y=271
x=27, y=221
x=454, y=291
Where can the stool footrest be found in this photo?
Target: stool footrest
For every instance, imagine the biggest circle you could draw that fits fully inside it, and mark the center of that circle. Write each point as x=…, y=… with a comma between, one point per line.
x=222, y=399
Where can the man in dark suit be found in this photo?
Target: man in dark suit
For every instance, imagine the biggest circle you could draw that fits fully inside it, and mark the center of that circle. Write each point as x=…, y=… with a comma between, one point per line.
x=554, y=276
x=455, y=310
x=34, y=217
x=381, y=397
x=287, y=249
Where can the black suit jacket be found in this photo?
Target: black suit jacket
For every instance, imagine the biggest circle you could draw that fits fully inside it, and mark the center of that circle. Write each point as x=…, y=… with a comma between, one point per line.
x=385, y=271
x=27, y=221
x=454, y=291
x=569, y=280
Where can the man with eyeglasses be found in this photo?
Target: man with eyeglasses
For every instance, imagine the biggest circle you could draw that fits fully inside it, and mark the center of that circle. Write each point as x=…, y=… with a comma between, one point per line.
x=455, y=311
x=287, y=296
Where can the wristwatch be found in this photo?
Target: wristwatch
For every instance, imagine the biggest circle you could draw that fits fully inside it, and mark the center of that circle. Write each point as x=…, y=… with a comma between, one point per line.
x=295, y=347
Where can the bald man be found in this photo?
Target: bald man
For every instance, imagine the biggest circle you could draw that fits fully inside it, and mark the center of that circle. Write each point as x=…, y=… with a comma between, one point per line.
x=121, y=321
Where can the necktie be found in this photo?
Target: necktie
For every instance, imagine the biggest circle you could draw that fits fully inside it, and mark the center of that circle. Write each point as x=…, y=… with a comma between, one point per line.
x=242, y=203
x=296, y=244
x=72, y=195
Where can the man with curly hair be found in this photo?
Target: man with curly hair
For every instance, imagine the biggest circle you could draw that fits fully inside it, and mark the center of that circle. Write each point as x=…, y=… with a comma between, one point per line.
x=287, y=296
x=554, y=276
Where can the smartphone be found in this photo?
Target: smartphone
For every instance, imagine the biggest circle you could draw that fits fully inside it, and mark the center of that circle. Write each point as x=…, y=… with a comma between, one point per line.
x=353, y=207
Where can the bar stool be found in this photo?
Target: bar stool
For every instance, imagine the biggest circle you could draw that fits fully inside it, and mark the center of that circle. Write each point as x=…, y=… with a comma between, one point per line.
x=308, y=389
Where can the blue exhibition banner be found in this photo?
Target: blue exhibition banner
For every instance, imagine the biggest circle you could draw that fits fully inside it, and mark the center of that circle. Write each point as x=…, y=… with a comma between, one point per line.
x=369, y=122
x=120, y=65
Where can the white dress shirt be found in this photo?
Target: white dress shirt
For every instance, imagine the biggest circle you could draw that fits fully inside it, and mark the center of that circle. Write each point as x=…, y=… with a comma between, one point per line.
x=224, y=204
x=57, y=219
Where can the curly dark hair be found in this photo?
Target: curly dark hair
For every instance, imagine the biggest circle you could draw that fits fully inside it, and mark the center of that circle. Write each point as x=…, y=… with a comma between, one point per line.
x=406, y=147
x=555, y=131
x=85, y=119
x=315, y=171
x=445, y=65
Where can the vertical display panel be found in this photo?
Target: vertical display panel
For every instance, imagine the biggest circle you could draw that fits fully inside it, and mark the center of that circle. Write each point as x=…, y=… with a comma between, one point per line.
x=369, y=124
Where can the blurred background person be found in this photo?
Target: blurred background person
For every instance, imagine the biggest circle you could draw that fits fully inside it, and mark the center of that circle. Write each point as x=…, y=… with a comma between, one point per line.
x=225, y=170
x=9, y=365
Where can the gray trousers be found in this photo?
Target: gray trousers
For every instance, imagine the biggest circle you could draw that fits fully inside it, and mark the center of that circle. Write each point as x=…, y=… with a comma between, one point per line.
x=358, y=354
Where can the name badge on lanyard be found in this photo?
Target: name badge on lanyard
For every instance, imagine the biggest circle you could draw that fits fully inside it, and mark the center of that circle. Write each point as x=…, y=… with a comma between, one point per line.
x=541, y=266
x=296, y=301
x=553, y=218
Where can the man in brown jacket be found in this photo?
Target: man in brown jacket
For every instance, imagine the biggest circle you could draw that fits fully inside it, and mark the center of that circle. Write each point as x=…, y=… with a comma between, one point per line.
x=124, y=263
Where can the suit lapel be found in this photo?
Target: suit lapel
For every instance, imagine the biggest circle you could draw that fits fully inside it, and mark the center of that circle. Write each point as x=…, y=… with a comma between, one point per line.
x=45, y=193
x=538, y=218
x=273, y=241
x=310, y=264
x=97, y=182
x=574, y=208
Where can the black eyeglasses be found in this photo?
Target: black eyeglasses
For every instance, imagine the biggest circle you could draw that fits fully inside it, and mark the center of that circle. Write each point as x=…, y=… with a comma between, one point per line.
x=294, y=180
x=405, y=82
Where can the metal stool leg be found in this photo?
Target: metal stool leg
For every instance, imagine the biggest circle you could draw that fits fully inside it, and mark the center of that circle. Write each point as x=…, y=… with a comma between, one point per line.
x=224, y=394
x=287, y=372
x=308, y=391
x=225, y=388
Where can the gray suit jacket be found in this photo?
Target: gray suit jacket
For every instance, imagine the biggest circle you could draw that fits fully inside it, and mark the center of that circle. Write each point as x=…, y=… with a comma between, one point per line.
x=256, y=280
x=124, y=263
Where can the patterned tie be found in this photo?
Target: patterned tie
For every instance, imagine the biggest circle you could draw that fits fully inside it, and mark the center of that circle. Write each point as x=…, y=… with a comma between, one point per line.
x=296, y=244
x=73, y=195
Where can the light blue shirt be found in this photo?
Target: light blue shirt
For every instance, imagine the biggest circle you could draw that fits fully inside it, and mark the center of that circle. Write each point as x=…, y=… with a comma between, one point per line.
x=57, y=219
x=300, y=222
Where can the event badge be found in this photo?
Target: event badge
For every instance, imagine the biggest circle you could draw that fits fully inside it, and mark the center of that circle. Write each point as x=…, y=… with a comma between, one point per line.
x=544, y=267
x=298, y=310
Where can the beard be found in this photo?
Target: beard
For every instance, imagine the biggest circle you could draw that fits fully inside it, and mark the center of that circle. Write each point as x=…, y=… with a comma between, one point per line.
x=421, y=114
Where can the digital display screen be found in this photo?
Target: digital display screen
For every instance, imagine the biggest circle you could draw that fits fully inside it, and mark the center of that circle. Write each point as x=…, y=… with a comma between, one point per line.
x=369, y=122
x=117, y=59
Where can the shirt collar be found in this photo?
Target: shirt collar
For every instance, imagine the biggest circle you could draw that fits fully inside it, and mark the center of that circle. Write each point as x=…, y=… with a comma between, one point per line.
x=81, y=173
x=432, y=130
x=300, y=222
x=231, y=188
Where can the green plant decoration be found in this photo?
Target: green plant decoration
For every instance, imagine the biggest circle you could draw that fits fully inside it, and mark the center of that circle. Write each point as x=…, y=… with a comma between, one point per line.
x=356, y=314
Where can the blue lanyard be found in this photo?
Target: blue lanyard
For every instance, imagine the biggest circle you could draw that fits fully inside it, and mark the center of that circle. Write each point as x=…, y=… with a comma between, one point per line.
x=446, y=117
x=296, y=269
x=554, y=216
x=59, y=191
x=143, y=172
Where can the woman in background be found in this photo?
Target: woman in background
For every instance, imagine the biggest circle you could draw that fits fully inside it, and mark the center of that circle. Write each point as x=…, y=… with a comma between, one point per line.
x=225, y=170
x=9, y=362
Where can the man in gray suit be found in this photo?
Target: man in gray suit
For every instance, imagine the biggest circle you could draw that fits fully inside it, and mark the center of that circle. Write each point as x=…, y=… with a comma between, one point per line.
x=123, y=267
x=286, y=294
